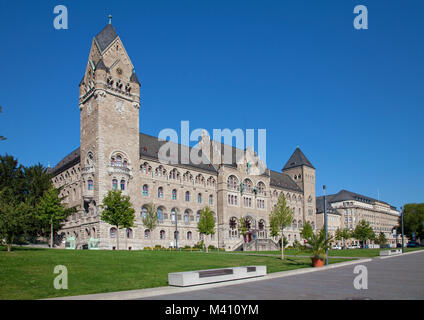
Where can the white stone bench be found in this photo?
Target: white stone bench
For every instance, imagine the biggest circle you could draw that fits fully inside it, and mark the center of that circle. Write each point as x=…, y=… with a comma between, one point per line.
x=192, y=278
x=391, y=252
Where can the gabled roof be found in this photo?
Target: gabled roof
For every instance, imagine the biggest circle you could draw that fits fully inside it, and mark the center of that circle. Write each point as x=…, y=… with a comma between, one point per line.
x=282, y=180
x=150, y=148
x=298, y=159
x=70, y=160
x=345, y=195
x=101, y=65
x=105, y=37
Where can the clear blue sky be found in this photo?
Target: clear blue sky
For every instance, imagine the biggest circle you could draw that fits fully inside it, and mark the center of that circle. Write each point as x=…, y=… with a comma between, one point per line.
x=352, y=100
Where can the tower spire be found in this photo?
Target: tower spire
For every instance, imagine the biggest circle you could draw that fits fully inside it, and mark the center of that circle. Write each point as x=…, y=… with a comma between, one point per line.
x=110, y=19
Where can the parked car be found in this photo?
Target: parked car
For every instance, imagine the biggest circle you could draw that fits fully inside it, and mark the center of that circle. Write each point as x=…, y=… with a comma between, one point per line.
x=412, y=244
x=398, y=245
x=336, y=248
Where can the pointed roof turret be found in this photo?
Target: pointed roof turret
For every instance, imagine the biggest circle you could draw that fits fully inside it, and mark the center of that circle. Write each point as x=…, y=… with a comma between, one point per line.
x=105, y=37
x=298, y=159
x=134, y=78
x=101, y=65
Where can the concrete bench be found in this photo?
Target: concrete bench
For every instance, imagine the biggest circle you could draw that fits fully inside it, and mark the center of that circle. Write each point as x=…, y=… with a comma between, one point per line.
x=391, y=252
x=192, y=278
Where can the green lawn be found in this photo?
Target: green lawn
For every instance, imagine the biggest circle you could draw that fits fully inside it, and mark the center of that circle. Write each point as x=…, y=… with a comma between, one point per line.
x=28, y=273
x=366, y=253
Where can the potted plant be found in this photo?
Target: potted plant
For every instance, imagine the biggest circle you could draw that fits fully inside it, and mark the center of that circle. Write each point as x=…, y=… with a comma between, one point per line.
x=319, y=246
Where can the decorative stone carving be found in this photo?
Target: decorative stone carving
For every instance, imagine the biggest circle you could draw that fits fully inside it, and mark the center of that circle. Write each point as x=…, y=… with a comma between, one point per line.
x=100, y=95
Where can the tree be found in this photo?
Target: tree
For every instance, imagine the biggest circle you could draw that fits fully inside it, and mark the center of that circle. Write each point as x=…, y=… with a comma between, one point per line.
x=381, y=240
x=117, y=211
x=52, y=212
x=343, y=234
x=12, y=176
x=413, y=220
x=206, y=224
x=280, y=218
x=307, y=230
x=13, y=216
x=151, y=220
x=363, y=232
x=243, y=230
x=1, y=137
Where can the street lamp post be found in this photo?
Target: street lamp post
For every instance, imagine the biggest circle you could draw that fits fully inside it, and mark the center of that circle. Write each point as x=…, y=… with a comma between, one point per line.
x=325, y=223
x=401, y=214
x=176, y=231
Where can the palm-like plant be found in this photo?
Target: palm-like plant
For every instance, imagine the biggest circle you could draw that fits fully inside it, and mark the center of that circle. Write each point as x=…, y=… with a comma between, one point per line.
x=319, y=244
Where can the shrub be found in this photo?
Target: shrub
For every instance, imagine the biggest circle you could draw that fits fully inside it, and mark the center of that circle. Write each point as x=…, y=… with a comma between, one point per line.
x=147, y=248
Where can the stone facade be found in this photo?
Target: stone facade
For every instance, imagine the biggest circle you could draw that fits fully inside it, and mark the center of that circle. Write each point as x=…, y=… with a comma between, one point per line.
x=114, y=155
x=346, y=209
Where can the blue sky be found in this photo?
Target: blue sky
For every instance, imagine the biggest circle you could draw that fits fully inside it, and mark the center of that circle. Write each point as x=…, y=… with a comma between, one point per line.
x=352, y=100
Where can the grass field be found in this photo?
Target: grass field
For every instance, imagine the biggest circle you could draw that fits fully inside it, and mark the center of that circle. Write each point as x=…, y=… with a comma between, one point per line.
x=28, y=273
x=365, y=253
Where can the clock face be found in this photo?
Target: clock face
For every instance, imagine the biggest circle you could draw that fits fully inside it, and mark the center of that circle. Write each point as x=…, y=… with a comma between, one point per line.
x=119, y=71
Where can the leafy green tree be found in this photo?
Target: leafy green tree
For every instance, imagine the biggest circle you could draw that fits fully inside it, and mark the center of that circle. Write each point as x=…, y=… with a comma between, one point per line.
x=243, y=230
x=381, y=239
x=52, y=212
x=280, y=218
x=413, y=220
x=12, y=177
x=363, y=232
x=117, y=211
x=13, y=217
x=206, y=224
x=307, y=230
x=151, y=220
x=343, y=234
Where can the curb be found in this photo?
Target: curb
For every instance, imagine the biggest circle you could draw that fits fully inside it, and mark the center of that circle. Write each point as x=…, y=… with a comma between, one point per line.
x=400, y=255
x=158, y=291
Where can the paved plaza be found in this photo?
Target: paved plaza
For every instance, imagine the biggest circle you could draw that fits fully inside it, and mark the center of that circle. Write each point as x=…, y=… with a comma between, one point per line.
x=400, y=277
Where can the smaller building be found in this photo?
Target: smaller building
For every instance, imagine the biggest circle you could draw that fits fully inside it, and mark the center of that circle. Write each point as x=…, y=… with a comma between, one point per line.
x=346, y=209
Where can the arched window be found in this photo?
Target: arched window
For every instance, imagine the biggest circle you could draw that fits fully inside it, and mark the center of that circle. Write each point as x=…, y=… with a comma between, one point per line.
x=174, y=174
x=248, y=186
x=147, y=234
x=233, y=223
x=174, y=194
x=261, y=188
x=300, y=224
x=261, y=225
x=187, y=196
x=186, y=216
x=90, y=185
x=189, y=235
x=145, y=190
x=114, y=184
x=199, y=198
x=146, y=168
x=210, y=200
x=118, y=160
x=143, y=212
x=122, y=184
x=198, y=216
x=129, y=233
x=233, y=183
x=160, y=192
x=162, y=234
x=112, y=232
x=160, y=214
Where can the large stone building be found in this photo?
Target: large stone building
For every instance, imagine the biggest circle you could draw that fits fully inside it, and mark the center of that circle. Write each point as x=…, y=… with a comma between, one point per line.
x=113, y=154
x=346, y=209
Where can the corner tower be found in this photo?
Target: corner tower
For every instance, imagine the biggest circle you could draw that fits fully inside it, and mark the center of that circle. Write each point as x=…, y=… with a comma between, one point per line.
x=301, y=170
x=109, y=103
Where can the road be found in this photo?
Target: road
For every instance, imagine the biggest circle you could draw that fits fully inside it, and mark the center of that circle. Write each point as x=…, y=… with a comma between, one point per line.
x=400, y=277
